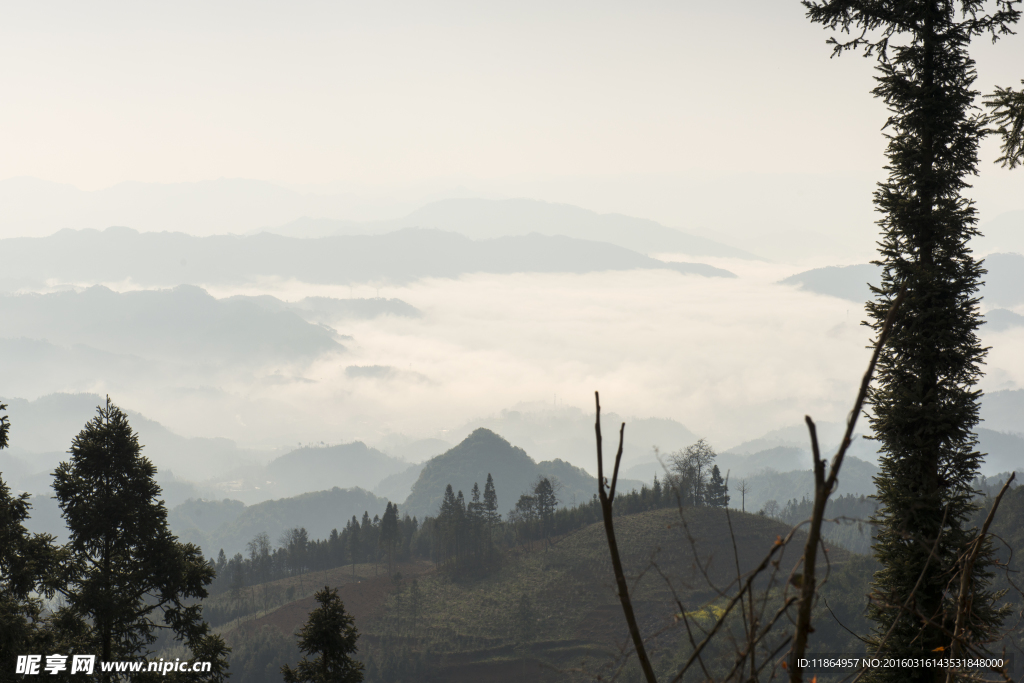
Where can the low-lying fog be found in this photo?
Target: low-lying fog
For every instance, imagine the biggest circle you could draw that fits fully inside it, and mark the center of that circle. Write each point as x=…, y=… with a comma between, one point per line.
x=729, y=358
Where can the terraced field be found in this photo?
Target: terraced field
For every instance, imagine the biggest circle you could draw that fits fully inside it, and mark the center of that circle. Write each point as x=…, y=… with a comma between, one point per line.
x=550, y=612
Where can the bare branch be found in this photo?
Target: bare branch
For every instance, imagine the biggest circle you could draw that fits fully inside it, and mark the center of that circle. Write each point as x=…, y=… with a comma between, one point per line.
x=967, y=572
x=822, y=489
x=778, y=545
x=613, y=547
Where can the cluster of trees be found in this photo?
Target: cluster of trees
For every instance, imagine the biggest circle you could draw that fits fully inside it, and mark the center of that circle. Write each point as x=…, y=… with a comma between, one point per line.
x=534, y=515
x=122, y=578
x=697, y=478
x=462, y=534
x=377, y=541
x=466, y=537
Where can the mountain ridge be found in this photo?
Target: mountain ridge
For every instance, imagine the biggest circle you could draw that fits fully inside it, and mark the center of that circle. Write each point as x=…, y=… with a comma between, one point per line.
x=167, y=259
x=487, y=219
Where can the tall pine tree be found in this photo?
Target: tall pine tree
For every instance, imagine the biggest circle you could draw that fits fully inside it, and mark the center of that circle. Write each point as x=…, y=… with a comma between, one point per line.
x=129, y=576
x=354, y=543
x=718, y=490
x=390, y=534
x=491, y=502
x=925, y=404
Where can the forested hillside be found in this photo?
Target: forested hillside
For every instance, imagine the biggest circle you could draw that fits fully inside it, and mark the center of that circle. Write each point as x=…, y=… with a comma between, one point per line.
x=483, y=452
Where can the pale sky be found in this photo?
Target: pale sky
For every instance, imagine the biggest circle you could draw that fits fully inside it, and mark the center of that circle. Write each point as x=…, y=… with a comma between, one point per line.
x=644, y=108
x=727, y=119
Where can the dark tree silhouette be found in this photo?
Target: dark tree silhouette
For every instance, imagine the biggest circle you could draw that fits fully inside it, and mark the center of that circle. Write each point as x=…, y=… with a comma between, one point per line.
x=329, y=634
x=547, y=503
x=718, y=491
x=390, y=533
x=25, y=559
x=491, y=502
x=925, y=404
x=128, y=575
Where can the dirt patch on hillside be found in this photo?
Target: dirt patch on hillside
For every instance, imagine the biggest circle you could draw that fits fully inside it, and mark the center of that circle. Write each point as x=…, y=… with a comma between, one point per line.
x=362, y=596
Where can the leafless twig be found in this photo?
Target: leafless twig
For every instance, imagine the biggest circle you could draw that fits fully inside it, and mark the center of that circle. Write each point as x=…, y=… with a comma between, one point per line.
x=609, y=528
x=822, y=489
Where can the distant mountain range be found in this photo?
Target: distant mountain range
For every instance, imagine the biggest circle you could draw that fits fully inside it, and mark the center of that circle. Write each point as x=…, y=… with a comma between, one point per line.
x=42, y=431
x=234, y=205
x=170, y=259
x=98, y=337
x=171, y=323
x=319, y=487
x=226, y=205
x=229, y=524
x=490, y=219
x=345, y=466
x=1004, y=283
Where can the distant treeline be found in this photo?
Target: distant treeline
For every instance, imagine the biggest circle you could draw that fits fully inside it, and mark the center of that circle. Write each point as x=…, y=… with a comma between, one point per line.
x=465, y=538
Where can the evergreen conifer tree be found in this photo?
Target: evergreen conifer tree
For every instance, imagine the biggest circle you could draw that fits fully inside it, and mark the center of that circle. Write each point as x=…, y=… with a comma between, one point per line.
x=718, y=491
x=331, y=635
x=475, y=505
x=925, y=403
x=547, y=502
x=129, y=575
x=389, y=533
x=445, y=527
x=491, y=502
x=353, y=542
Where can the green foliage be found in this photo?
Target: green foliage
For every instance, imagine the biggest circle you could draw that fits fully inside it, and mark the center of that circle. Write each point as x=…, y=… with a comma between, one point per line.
x=1008, y=113
x=718, y=490
x=127, y=575
x=925, y=404
x=547, y=503
x=331, y=635
x=390, y=534
x=27, y=561
x=5, y=426
x=476, y=627
x=491, y=502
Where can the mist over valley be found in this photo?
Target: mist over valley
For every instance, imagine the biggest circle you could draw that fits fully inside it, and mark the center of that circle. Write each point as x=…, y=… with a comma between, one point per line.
x=305, y=307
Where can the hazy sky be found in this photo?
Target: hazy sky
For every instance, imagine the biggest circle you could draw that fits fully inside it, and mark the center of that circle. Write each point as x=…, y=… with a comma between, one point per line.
x=726, y=118
x=709, y=116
